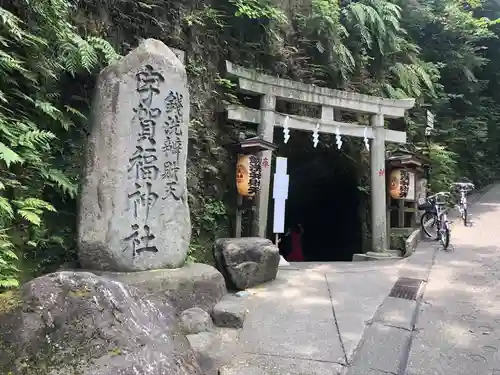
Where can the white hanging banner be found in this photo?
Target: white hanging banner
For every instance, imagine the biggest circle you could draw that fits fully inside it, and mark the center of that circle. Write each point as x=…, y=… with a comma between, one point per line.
x=410, y=196
x=367, y=142
x=280, y=194
x=315, y=136
x=286, y=130
x=279, y=216
x=338, y=138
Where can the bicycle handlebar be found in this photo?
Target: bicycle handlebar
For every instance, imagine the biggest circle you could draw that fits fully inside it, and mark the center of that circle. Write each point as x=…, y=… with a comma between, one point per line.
x=445, y=193
x=465, y=185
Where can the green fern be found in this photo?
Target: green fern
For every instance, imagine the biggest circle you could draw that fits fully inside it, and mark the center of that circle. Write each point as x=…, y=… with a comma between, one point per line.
x=36, y=138
x=6, y=208
x=105, y=47
x=36, y=53
x=8, y=260
x=413, y=79
x=30, y=216
x=375, y=21
x=32, y=209
x=75, y=112
x=324, y=27
x=34, y=204
x=394, y=93
x=59, y=180
x=48, y=109
x=8, y=156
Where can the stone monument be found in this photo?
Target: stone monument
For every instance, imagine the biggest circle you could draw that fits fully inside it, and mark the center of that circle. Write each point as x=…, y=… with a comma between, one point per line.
x=134, y=213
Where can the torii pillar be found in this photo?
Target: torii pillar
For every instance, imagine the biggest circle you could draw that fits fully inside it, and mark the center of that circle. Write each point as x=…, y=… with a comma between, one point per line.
x=378, y=185
x=265, y=131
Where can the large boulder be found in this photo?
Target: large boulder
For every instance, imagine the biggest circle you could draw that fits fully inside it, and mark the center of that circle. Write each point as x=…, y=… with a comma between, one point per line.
x=194, y=285
x=77, y=323
x=134, y=213
x=246, y=262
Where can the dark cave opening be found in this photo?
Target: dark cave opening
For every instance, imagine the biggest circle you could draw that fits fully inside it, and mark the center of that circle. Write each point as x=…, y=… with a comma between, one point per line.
x=324, y=197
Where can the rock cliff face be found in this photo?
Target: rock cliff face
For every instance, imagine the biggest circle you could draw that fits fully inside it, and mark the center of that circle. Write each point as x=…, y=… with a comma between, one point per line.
x=77, y=323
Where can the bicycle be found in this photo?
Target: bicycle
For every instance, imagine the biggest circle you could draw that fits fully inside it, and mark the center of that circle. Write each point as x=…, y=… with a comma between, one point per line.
x=463, y=188
x=435, y=212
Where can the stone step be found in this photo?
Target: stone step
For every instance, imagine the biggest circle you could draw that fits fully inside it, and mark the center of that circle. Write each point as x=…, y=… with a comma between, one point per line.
x=242, y=370
x=387, y=255
x=215, y=349
x=230, y=312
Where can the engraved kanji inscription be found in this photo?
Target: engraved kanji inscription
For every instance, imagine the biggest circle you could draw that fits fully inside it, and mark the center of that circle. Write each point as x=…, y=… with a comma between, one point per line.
x=148, y=84
x=143, y=163
x=139, y=240
x=143, y=198
x=173, y=145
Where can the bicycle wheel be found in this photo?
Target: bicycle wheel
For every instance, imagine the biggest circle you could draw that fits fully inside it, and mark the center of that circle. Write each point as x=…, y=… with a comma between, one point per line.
x=445, y=235
x=464, y=216
x=428, y=223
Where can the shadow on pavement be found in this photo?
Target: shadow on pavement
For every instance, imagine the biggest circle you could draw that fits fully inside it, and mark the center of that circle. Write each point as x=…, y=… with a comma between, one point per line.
x=294, y=322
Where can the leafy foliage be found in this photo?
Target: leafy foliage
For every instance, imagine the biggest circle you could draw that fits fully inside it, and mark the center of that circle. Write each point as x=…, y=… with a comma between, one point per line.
x=207, y=227
x=443, y=53
x=34, y=56
x=444, y=167
x=258, y=10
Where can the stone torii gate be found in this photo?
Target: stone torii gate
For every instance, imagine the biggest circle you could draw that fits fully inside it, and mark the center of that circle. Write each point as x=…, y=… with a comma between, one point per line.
x=271, y=88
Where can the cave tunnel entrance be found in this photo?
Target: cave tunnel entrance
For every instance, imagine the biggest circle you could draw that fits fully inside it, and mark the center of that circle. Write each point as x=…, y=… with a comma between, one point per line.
x=324, y=197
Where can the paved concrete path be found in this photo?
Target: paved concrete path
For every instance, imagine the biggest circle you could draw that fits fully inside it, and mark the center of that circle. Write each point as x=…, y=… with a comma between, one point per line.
x=458, y=325
x=319, y=319
x=337, y=318
x=454, y=328
x=310, y=320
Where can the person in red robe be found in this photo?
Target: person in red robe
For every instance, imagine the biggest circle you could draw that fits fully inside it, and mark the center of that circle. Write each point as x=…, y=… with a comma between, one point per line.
x=296, y=255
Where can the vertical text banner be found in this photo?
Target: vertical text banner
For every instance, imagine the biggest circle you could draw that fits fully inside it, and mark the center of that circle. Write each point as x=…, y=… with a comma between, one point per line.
x=280, y=194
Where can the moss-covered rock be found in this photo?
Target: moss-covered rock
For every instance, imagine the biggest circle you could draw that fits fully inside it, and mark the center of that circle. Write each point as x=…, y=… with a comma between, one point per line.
x=9, y=301
x=78, y=323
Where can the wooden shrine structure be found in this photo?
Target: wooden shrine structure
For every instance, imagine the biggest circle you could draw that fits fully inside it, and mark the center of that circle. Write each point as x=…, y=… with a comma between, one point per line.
x=271, y=88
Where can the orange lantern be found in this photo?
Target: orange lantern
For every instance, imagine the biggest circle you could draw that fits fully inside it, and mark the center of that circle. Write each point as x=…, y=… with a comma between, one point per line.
x=248, y=171
x=400, y=183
